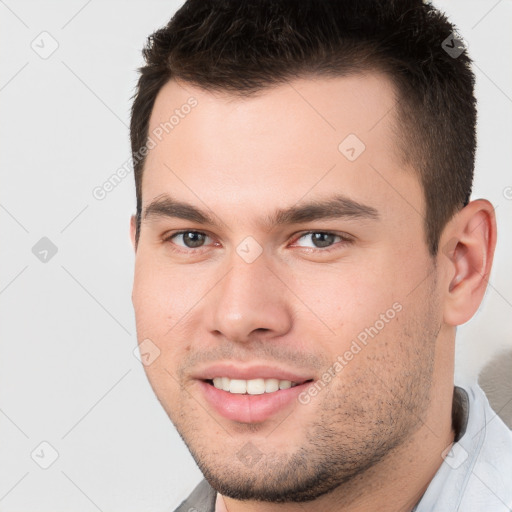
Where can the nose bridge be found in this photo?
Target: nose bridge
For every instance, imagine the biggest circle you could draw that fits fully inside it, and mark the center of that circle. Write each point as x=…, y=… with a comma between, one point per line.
x=249, y=298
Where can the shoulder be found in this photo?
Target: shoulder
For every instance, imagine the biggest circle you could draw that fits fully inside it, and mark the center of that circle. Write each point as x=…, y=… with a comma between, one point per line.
x=202, y=499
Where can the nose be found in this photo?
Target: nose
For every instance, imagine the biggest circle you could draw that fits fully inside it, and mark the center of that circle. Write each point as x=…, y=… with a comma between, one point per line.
x=248, y=303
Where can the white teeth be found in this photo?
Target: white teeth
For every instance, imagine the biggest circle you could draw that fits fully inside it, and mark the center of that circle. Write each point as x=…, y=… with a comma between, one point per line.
x=238, y=386
x=251, y=387
x=271, y=385
x=256, y=386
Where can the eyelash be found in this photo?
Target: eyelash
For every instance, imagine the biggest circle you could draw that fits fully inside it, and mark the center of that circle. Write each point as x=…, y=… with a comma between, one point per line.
x=344, y=240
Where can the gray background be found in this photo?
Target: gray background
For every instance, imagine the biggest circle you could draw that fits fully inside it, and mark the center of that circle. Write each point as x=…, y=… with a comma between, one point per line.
x=68, y=376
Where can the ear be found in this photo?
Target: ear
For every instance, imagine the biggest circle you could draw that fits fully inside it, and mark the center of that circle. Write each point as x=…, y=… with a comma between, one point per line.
x=133, y=231
x=467, y=250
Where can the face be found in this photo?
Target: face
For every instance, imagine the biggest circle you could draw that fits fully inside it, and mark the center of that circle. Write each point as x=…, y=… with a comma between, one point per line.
x=283, y=281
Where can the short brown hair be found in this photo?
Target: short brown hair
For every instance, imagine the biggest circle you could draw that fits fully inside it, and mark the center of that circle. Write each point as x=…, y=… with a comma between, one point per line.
x=241, y=47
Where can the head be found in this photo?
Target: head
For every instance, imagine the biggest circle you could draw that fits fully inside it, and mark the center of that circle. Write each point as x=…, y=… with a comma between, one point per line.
x=303, y=173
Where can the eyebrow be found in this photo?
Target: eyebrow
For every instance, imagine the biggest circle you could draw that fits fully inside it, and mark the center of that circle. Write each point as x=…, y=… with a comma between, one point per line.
x=336, y=207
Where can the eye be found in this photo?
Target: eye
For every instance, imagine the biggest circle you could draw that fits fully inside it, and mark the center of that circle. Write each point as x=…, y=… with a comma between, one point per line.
x=188, y=239
x=321, y=239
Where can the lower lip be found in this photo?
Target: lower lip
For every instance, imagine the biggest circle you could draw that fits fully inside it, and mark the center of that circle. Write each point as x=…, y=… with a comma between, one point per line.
x=250, y=408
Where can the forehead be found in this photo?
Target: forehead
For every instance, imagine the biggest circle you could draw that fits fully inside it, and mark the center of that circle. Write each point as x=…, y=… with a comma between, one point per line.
x=331, y=106
x=308, y=136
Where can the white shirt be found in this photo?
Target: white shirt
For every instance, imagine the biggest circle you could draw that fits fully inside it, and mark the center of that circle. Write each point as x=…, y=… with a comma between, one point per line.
x=476, y=474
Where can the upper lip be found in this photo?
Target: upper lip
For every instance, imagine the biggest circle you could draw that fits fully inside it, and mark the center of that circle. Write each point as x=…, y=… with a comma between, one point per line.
x=242, y=371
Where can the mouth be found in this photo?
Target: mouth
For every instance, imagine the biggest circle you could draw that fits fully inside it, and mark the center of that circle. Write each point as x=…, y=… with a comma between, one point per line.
x=257, y=386
x=251, y=395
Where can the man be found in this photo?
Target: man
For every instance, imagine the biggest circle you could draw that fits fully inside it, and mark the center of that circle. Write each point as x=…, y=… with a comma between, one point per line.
x=305, y=248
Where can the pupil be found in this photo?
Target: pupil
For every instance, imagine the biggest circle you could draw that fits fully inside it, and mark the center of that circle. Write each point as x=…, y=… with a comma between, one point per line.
x=193, y=239
x=323, y=239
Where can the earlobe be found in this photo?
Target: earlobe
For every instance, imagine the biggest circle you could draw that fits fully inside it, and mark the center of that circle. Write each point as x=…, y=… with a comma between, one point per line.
x=469, y=254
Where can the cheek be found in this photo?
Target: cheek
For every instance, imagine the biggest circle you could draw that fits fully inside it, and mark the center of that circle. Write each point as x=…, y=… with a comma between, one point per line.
x=349, y=297
x=165, y=299
x=162, y=296
x=157, y=301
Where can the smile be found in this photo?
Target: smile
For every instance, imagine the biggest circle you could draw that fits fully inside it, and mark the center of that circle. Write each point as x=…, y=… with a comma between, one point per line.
x=252, y=386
